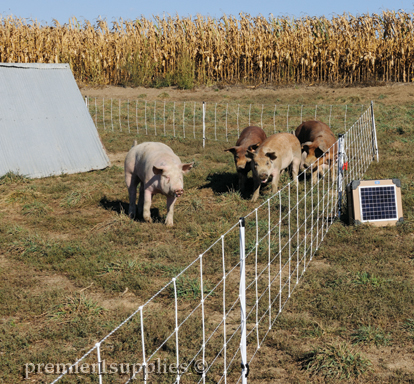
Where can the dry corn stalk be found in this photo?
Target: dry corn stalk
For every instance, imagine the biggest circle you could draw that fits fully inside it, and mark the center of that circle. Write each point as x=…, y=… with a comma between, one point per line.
x=344, y=49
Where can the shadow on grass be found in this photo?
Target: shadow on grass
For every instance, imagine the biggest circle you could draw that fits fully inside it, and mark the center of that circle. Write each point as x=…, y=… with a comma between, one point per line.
x=119, y=206
x=221, y=182
x=226, y=182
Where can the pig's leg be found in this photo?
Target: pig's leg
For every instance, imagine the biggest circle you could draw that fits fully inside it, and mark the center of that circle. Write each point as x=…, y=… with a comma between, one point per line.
x=170, y=210
x=315, y=173
x=295, y=169
x=303, y=160
x=132, y=182
x=275, y=180
x=256, y=189
x=145, y=203
x=141, y=201
x=242, y=181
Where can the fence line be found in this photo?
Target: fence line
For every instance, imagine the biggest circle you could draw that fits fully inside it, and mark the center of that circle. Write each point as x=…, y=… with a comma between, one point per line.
x=221, y=122
x=219, y=310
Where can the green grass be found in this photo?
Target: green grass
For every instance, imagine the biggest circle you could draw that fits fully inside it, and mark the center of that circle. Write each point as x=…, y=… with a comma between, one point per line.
x=333, y=361
x=368, y=334
x=60, y=235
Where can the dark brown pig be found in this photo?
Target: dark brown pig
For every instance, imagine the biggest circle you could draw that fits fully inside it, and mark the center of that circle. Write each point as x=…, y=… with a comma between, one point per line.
x=318, y=147
x=250, y=138
x=159, y=170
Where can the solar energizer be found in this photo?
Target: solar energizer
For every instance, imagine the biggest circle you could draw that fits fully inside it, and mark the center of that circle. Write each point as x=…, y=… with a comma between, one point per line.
x=374, y=201
x=378, y=203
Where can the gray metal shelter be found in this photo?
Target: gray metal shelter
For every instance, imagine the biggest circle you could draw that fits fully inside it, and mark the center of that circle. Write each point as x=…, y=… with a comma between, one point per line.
x=45, y=126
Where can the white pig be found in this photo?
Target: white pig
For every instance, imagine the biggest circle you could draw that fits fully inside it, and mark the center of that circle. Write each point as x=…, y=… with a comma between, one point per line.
x=159, y=170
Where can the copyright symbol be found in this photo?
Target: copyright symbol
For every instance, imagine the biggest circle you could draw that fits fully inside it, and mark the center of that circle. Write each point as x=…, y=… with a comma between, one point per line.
x=200, y=366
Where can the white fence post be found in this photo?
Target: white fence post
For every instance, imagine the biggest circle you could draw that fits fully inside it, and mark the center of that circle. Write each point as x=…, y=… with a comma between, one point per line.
x=215, y=122
x=242, y=297
x=146, y=126
x=144, y=362
x=203, y=318
x=224, y=312
x=174, y=120
x=227, y=112
x=136, y=115
x=155, y=117
x=112, y=121
x=204, y=124
x=261, y=118
x=374, y=134
x=287, y=119
x=238, y=112
x=340, y=172
x=129, y=128
x=119, y=115
x=164, y=119
x=194, y=117
x=250, y=110
x=177, y=345
x=184, y=120
x=98, y=352
x=96, y=114
x=103, y=113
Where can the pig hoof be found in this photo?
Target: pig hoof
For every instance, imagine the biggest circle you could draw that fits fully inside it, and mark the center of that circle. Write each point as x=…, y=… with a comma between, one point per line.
x=148, y=219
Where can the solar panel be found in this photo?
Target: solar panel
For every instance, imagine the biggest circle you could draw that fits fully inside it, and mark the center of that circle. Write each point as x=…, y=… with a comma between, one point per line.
x=375, y=201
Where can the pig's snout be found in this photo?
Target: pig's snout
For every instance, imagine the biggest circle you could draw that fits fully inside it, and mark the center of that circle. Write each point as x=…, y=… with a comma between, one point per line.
x=263, y=177
x=179, y=192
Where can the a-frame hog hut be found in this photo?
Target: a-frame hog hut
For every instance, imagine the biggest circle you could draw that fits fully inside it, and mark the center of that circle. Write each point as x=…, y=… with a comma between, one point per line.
x=45, y=126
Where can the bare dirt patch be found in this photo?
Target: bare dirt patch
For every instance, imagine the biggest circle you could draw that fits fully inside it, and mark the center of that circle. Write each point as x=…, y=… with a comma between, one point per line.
x=117, y=158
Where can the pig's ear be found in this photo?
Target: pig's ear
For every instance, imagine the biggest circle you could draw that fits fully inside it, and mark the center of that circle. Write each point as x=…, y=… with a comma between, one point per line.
x=250, y=154
x=233, y=150
x=306, y=146
x=319, y=152
x=253, y=147
x=186, y=167
x=157, y=171
x=271, y=155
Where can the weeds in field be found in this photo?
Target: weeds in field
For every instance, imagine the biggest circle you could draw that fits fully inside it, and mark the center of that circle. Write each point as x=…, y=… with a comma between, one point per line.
x=11, y=177
x=36, y=208
x=336, y=361
x=189, y=288
x=73, y=308
x=366, y=278
x=370, y=335
x=408, y=326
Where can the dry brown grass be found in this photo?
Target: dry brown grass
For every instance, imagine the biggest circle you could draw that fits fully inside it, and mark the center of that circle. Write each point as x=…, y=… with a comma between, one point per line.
x=73, y=266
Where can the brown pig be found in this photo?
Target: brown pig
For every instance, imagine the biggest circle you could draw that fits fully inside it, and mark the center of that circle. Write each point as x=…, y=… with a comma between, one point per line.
x=318, y=147
x=159, y=170
x=250, y=138
x=275, y=154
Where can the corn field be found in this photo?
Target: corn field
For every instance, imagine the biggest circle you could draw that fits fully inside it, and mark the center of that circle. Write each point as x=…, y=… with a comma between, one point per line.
x=244, y=49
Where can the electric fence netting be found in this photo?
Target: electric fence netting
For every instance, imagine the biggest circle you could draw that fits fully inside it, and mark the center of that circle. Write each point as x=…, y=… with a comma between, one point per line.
x=211, y=121
x=208, y=323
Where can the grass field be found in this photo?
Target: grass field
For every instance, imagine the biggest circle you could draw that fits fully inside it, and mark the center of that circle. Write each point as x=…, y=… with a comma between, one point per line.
x=73, y=265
